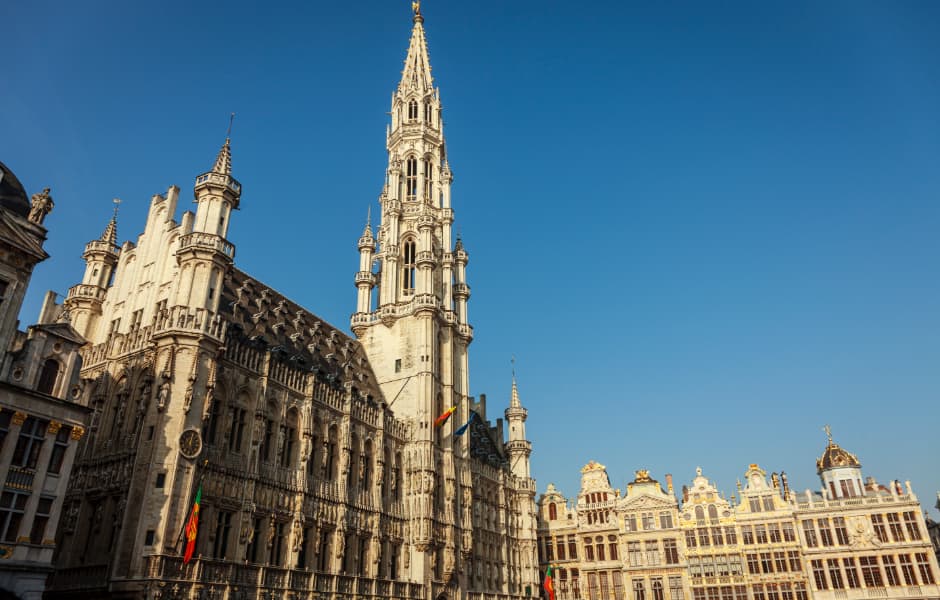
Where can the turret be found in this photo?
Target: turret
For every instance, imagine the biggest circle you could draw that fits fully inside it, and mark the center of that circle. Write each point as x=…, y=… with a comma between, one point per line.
x=519, y=448
x=217, y=195
x=365, y=280
x=204, y=254
x=83, y=303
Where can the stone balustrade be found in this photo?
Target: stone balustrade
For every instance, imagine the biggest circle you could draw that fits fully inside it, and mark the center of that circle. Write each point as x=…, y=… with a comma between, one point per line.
x=219, y=179
x=183, y=319
x=207, y=241
x=82, y=290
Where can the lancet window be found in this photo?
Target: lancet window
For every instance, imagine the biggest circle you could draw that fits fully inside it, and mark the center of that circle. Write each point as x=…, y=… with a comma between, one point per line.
x=408, y=267
x=411, y=179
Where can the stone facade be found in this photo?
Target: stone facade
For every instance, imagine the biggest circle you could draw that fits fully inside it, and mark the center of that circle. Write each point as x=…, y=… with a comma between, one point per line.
x=852, y=540
x=40, y=419
x=323, y=473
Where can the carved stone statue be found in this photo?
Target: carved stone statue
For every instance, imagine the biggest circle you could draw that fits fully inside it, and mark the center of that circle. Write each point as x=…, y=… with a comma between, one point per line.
x=298, y=535
x=272, y=527
x=188, y=398
x=163, y=396
x=41, y=205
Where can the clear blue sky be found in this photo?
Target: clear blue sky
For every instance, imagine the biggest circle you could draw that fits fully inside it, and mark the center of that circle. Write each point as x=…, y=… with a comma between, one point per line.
x=704, y=229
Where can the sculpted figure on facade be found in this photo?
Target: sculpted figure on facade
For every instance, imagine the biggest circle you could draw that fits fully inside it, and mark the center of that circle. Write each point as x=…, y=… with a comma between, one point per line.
x=41, y=205
x=163, y=395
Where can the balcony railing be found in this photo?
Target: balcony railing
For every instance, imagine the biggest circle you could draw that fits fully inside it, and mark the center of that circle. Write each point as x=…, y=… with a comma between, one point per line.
x=87, y=291
x=207, y=241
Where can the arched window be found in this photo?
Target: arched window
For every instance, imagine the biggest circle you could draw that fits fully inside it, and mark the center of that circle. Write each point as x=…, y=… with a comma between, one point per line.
x=600, y=548
x=351, y=474
x=48, y=376
x=411, y=179
x=313, y=462
x=397, y=478
x=413, y=110
x=639, y=592
x=365, y=470
x=428, y=179
x=408, y=267
x=700, y=515
x=387, y=474
x=552, y=512
x=330, y=465
x=657, y=589
x=427, y=112
x=712, y=514
x=288, y=439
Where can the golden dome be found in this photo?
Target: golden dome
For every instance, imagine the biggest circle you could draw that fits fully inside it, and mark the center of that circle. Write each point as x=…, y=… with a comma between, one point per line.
x=834, y=456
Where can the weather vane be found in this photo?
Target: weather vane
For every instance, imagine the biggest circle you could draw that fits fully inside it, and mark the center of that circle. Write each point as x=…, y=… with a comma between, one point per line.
x=117, y=204
x=828, y=431
x=231, y=119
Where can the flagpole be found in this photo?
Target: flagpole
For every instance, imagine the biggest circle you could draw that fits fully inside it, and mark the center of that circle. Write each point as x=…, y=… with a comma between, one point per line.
x=192, y=496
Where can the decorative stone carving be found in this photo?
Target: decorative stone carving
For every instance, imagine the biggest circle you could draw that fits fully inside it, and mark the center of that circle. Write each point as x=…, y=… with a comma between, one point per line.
x=163, y=396
x=41, y=205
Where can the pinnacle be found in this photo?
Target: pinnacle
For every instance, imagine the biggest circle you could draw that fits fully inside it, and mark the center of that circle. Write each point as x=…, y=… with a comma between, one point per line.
x=367, y=232
x=514, y=401
x=223, y=162
x=110, y=232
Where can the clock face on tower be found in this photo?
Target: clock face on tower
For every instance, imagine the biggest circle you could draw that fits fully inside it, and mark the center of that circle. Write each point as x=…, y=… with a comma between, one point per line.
x=190, y=443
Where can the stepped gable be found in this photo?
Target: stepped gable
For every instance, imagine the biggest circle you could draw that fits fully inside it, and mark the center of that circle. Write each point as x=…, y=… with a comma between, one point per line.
x=261, y=316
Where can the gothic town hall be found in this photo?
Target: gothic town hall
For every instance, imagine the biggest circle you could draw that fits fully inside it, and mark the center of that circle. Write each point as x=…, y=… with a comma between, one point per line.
x=322, y=470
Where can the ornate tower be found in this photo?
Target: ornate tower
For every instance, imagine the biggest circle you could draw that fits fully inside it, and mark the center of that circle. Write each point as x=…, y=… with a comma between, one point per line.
x=84, y=300
x=204, y=254
x=417, y=333
x=414, y=327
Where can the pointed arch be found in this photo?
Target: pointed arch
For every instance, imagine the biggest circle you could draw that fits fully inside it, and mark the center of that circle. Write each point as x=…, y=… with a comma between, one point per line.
x=412, y=110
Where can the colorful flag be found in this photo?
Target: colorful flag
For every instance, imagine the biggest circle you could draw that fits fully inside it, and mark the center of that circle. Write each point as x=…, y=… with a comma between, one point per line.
x=192, y=528
x=443, y=418
x=548, y=585
x=463, y=428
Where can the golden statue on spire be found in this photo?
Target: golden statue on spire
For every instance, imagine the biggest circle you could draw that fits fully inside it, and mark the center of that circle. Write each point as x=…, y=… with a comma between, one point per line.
x=416, y=6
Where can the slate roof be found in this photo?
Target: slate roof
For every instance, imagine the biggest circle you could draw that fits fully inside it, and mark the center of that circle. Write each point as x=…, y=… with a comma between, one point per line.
x=261, y=316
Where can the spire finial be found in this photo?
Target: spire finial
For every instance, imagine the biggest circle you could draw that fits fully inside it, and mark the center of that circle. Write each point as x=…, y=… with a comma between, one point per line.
x=514, y=399
x=117, y=205
x=231, y=119
x=828, y=431
x=367, y=232
x=416, y=7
